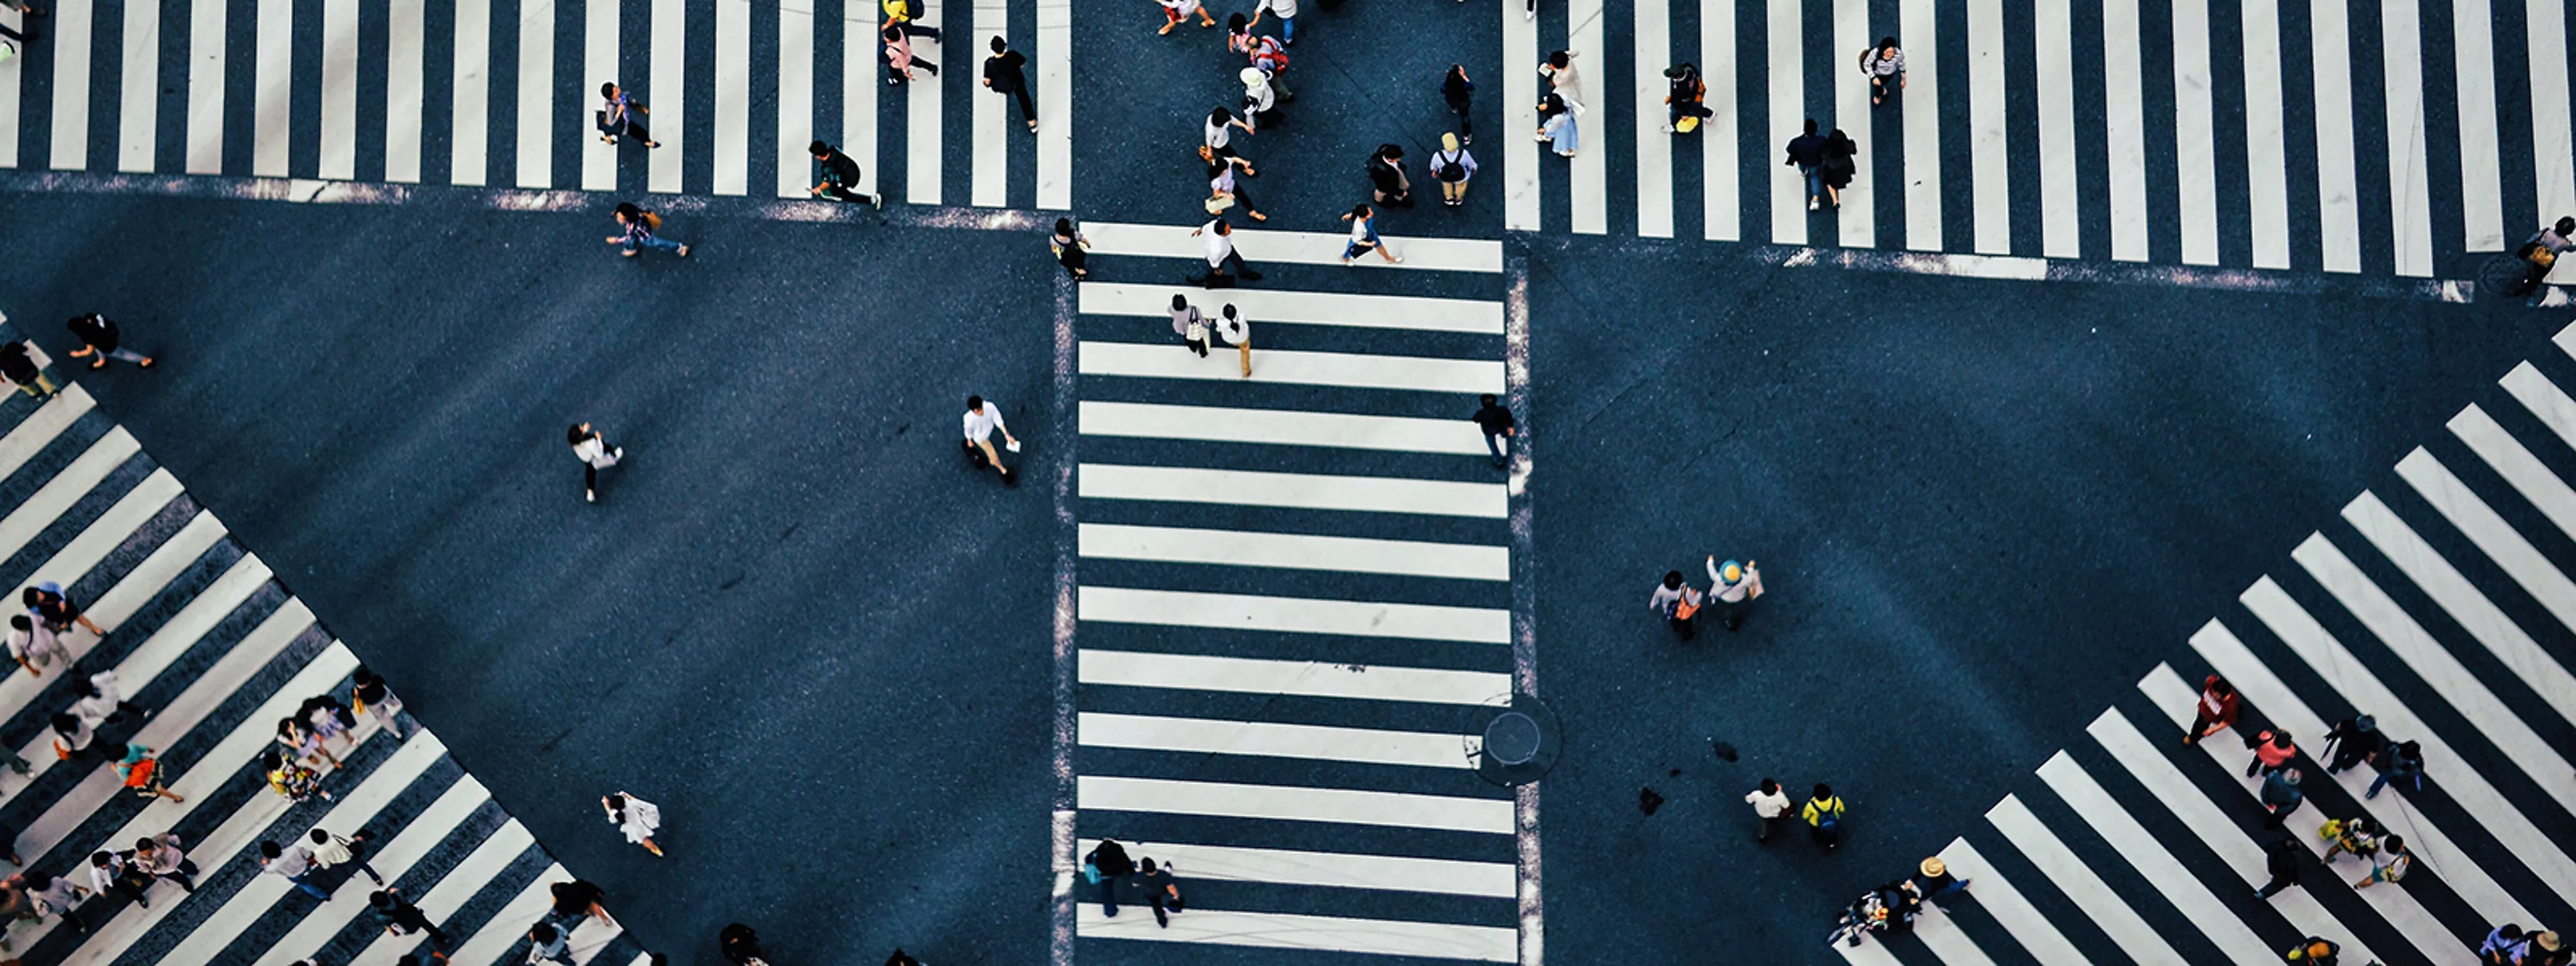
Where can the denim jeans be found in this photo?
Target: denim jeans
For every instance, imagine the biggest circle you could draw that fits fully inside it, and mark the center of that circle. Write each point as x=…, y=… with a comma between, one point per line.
x=2414, y=782
x=309, y=888
x=1288, y=30
x=652, y=241
x=1494, y=444
x=1815, y=180
x=1109, y=894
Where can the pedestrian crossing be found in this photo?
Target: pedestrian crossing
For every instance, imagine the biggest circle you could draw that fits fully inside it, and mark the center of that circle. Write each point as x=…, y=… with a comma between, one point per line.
x=2389, y=138
x=2440, y=605
x=502, y=94
x=214, y=651
x=1292, y=610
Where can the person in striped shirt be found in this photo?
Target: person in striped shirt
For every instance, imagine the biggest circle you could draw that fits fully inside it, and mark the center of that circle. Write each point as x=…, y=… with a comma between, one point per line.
x=1880, y=63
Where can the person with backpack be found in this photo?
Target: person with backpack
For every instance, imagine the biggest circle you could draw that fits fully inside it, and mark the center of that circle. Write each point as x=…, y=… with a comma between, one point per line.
x=1684, y=95
x=639, y=227
x=2401, y=761
x=1880, y=63
x=1002, y=73
x=99, y=337
x=2272, y=752
x=904, y=15
x=2352, y=741
x=2280, y=795
x=1458, y=92
x=2215, y=712
x=2393, y=864
x=2358, y=836
x=2281, y=858
x=1388, y=182
x=1453, y=167
x=1108, y=865
x=1270, y=59
x=2313, y=951
x=840, y=177
x=617, y=118
x=1823, y=814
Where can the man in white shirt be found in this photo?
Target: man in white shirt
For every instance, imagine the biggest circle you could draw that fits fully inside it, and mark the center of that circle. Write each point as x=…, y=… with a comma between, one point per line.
x=982, y=418
x=1218, y=237
x=1770, y=804
x=1286, y=11
x=292, y=864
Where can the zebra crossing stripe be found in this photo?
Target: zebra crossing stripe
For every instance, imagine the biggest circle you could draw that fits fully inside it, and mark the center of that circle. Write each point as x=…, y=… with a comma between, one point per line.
x=1333, y=870
x=2502, y=544
x=1858, y=216
x=2517, y=465
x=1301, y=491
x=2470, y=609
x=392, y=860
x=1466, y=377
x=478, y=869
x=1294, y=551
x=1293, y=615
x=1294, y=803
x=1272, y=740
x=2079, y=882
x=28, y=520
x=732, y=109
x=1284, y=427
x=40, y=428
x=1406, y=312
x=2005, y=903
x=1278, y=930
x=2196, y=134
x=1315, y=679
x=405, y=73
x=139, y=90
x=339, y=148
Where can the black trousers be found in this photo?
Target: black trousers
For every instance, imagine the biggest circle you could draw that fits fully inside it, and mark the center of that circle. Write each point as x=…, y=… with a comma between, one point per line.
x=844, y=193
x=2280, y=881
x=1019, y=88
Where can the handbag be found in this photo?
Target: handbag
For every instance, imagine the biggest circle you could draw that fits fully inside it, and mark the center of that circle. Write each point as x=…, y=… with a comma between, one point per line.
x=1684, y=608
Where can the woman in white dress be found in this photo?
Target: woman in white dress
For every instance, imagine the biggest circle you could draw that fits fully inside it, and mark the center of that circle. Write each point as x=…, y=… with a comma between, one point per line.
x=638, y=818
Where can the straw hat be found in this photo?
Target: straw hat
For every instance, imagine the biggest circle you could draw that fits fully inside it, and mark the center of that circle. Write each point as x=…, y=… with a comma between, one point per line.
x=1933, y=868
x=2548, y=940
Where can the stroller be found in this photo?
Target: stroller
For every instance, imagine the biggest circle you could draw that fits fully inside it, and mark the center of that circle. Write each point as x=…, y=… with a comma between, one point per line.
x=1888, y=908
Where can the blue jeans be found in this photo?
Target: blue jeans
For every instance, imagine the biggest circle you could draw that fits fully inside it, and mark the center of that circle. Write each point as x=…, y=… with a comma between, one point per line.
x=1109, y=894
x=653, y=242
x=309, y=888
x=1815, y=180
x=1288, y=30
x=2414, y=781
x=1494, y=444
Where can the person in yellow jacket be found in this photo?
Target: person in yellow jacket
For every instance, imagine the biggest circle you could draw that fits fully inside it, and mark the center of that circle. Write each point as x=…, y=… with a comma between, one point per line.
x=901, y=13
x=1823, y=814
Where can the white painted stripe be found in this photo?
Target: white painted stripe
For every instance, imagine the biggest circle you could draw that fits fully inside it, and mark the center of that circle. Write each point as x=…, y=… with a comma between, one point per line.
x=2547, y=403
x=2506, y=546
x=1055, y=104
x=599, y=66
x=29, y=519
x=404, y=75
x=1293, y=615
x=1867, y=954
x=2410, y=193
x=1410, y=312
x=2010, y=909
x=2349, y=677
x=1296, y=551
x=1285, y=427
x=2338, y=183
x=2460, y=599
x=70, y=45
x=1922, y=127
x=139, y=93
x=924, y=157
x=461, y=882
x=130, y=512
x=1587, y=183
x=2125, y=128
x=470, y=103
x=1989, y=136
x=2267, y=163
x=1858, y=215
x=2409, y=917
x=1276, y=930
x=243, y=908
x=795, y=97
x=2218, y=832
x=733, y=97
x=1521, y=211
x=859, y=86
x=1262, y=247
x=272, y=109
x=2553, y=143
x=1290, y=803
x=1271, y=740
x=1330, y=870
x=2132, y=841
x=1301, y=491
x=12, y=79
x=1721, y=211
x=1309, y=679
x=2079, y=883
x=165, y=563
x=394, y=858
x=2533, y=479
x=1294, y=368
x=1788, y=36
x=2055, y=51
x=339, y=152
x=41, y=428
x=1652, y=26
x=669, y=119
x=2481, y=197
x=2566, y=339
x=1942, y=936
x=989, y=168
x=506, y=933
x=2196, y=136
x=535, y=162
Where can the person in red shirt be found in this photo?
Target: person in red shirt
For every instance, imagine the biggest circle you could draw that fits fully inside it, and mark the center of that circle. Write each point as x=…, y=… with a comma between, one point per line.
x=2217, y=709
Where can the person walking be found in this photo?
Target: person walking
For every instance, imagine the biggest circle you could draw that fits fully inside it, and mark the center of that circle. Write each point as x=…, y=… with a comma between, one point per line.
x=1223, y=190
x=1684, y=94
x=292, y=863
x=739, y=945
x=141, y=770
x=21, y=370
x=2357, y=835
x=638, y=232
x=2540, y=255
x=1932, y=879
x=55, y=896
x=2281, y=858
x=545, y=943
x=2545, y=949
x=1459, y=92
x=1216, y=137
x=1108, y=866
x=2281, y=795
x=1389, y=184
x=1823, y=814
x=1189, y=324
x=1556, y=127
x=907, y=14
x=1807, y=154
x=1002, y=73
x=1675, y=599
x=1260, y=100
x=578, y=899
x=2393, y=864
x=1497, y=425
x=402, y=918
x=2216, y=711
x=26, y=30
x=1840, y=165
x=331, y=850
x=376, y=700
x=982, y=420
x=1734, y=585
x=102, y=700
x=1217, y=237
x=2503, y=945
x=595, y=455
x=1161, y=891
x=308, y=744
x=1562, y=80
x=34, y=645
x=1283, y=10
x=1269, y=57
x=1453, y=167
x=2401, y=761
x=1881, y=63
x=2352, y=741
x=289, y=778
x=1237, y=332
x=1070, y=248
x=164, y=856
x=48, y=602
x=1770, y=807
x=1175, y=11
x=899, y=57
x=108, y=872
x=74, y=737
x=840, y=177
x=2272, y=752
x=99, y=337
x=618, y=117
x=1364, y=237
x=2313, y=951
x=635, y=817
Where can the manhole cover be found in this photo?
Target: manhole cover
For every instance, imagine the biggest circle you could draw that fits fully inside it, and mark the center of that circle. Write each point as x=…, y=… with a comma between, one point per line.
x=1512, y=738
